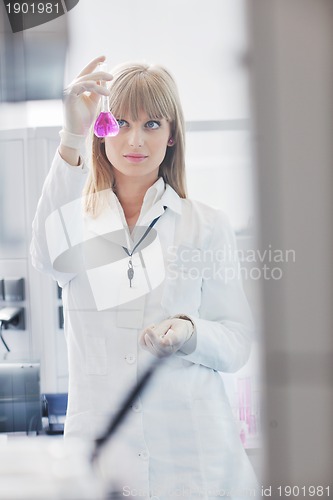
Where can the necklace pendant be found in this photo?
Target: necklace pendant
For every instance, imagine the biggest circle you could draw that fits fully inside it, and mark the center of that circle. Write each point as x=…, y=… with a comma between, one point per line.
x=130, y=272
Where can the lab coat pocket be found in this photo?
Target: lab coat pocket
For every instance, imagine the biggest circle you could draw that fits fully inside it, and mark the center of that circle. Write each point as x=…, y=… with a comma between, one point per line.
x=207, y=419
x=222, y=453
x=95, y=355
x=182, y=287
x=215, y=425
x=210, y=408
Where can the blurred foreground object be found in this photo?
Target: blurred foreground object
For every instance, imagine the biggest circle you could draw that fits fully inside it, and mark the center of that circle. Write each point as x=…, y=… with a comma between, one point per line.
x=32, y=61
x=51, y=469
x=47, y=469
x=292, y=84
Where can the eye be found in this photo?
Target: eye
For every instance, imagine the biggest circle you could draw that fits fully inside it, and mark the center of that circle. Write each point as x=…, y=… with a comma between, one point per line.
x=153, y=124
x=122, y=123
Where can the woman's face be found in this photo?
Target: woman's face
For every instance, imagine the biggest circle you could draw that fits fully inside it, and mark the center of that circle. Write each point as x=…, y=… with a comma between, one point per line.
x=140, y=146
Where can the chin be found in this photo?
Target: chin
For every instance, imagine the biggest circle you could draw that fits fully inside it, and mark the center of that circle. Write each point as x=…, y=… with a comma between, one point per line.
x=138, y=171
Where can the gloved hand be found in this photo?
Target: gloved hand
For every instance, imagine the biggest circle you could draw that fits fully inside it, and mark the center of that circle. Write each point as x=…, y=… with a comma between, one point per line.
x=79, y=106
x=167, y=337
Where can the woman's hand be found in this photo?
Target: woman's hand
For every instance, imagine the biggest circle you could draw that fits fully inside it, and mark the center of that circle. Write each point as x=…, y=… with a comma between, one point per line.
x=81, y=98
x=167, y=337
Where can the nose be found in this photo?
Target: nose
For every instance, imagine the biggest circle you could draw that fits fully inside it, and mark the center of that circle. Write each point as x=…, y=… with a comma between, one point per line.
x=136, y=136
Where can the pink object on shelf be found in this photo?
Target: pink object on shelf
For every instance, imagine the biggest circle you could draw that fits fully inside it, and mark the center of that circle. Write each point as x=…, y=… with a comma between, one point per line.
x=242, y=436
x=244, y=399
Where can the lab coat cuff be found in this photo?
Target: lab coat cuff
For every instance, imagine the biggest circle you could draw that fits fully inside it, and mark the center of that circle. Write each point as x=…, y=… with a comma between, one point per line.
x=80, y=168
x=190, y=345
x=70, y=140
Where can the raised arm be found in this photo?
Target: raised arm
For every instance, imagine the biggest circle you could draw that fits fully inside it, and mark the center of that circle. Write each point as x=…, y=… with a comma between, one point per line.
x=81, y=99
x=67, y=176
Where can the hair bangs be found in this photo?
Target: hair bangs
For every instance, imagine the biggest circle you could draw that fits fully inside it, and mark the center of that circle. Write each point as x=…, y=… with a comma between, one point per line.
x=140, y=91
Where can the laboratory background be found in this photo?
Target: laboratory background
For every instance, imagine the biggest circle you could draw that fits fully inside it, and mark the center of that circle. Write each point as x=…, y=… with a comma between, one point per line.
x=256, y=83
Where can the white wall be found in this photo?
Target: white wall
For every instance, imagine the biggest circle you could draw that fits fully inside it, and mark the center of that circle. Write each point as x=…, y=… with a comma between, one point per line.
x=200, y=42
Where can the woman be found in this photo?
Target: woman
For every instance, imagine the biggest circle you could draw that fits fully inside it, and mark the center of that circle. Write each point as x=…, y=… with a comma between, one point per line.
x=145, y=272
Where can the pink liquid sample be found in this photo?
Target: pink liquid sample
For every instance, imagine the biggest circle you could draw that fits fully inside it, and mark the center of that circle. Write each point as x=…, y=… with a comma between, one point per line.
x=106, y=125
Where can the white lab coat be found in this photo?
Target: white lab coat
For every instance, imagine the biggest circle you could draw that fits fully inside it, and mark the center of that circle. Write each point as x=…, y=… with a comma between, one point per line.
x=180, y=438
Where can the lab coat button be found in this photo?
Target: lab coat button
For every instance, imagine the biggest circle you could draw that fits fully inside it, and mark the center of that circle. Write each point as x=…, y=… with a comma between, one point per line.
x=130, y=358
x=144, y=455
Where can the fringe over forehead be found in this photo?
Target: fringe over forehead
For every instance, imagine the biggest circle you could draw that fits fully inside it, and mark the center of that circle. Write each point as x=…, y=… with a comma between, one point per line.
x=145, y=88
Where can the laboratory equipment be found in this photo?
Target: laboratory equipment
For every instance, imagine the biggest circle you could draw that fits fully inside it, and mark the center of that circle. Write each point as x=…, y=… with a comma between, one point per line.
x=20, y=408
x=54, y=408
x=34, y=62
x=9, y=316
x=13, y=289
x=106, y=125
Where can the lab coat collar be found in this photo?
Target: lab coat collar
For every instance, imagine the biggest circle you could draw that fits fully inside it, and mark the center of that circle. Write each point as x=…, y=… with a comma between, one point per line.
x=164, y=196
x=110, y=220
x=153, y=194
x=171, y=199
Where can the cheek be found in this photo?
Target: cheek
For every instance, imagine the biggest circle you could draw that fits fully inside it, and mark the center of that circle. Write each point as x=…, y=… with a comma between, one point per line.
x=161, y=146
x=110, y=149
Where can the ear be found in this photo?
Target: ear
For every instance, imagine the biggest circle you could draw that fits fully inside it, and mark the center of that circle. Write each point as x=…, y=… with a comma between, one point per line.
x=171, y=142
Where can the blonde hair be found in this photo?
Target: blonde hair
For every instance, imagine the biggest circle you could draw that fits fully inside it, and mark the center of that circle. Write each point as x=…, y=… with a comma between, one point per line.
x=135, y=88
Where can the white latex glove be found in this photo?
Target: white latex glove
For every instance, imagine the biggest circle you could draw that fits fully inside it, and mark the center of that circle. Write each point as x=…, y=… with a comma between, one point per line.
x=81, y=98
x=167, y=337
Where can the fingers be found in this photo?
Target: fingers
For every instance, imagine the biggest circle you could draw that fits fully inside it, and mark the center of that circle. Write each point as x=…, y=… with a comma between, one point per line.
x=90, y=81
x=142, y=340
x=97, y=76
x=160, y=329
x=79, y=88
x=92, y=66
x=149, y=344
x=159, y=340
x=156, y=346
x=170, y=339
x=168, y=336
x=157, y=336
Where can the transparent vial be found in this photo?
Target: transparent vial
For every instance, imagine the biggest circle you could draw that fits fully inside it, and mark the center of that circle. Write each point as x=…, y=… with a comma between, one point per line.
x=106, y=125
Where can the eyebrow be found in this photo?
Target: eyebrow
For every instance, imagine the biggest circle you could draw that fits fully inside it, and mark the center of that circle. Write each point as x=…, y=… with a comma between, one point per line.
x=146, y=119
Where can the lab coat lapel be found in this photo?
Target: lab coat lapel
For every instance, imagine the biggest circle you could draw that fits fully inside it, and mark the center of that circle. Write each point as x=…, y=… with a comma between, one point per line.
x=108, y=224
x=155, y=211
x=169, y=199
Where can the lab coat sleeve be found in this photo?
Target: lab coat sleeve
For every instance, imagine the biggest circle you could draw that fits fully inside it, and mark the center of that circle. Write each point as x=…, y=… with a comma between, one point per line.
x=224, y=328
x=63, y=184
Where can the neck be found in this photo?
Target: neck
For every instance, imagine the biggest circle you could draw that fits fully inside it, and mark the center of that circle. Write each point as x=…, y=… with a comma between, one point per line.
x=131, y=191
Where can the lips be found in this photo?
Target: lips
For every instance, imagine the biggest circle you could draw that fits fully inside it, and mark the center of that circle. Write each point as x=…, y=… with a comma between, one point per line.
x=135, y=157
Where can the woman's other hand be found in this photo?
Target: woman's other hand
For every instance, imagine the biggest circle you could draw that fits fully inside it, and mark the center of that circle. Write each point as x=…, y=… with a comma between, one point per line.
x=81, y=97
x=167, y=337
